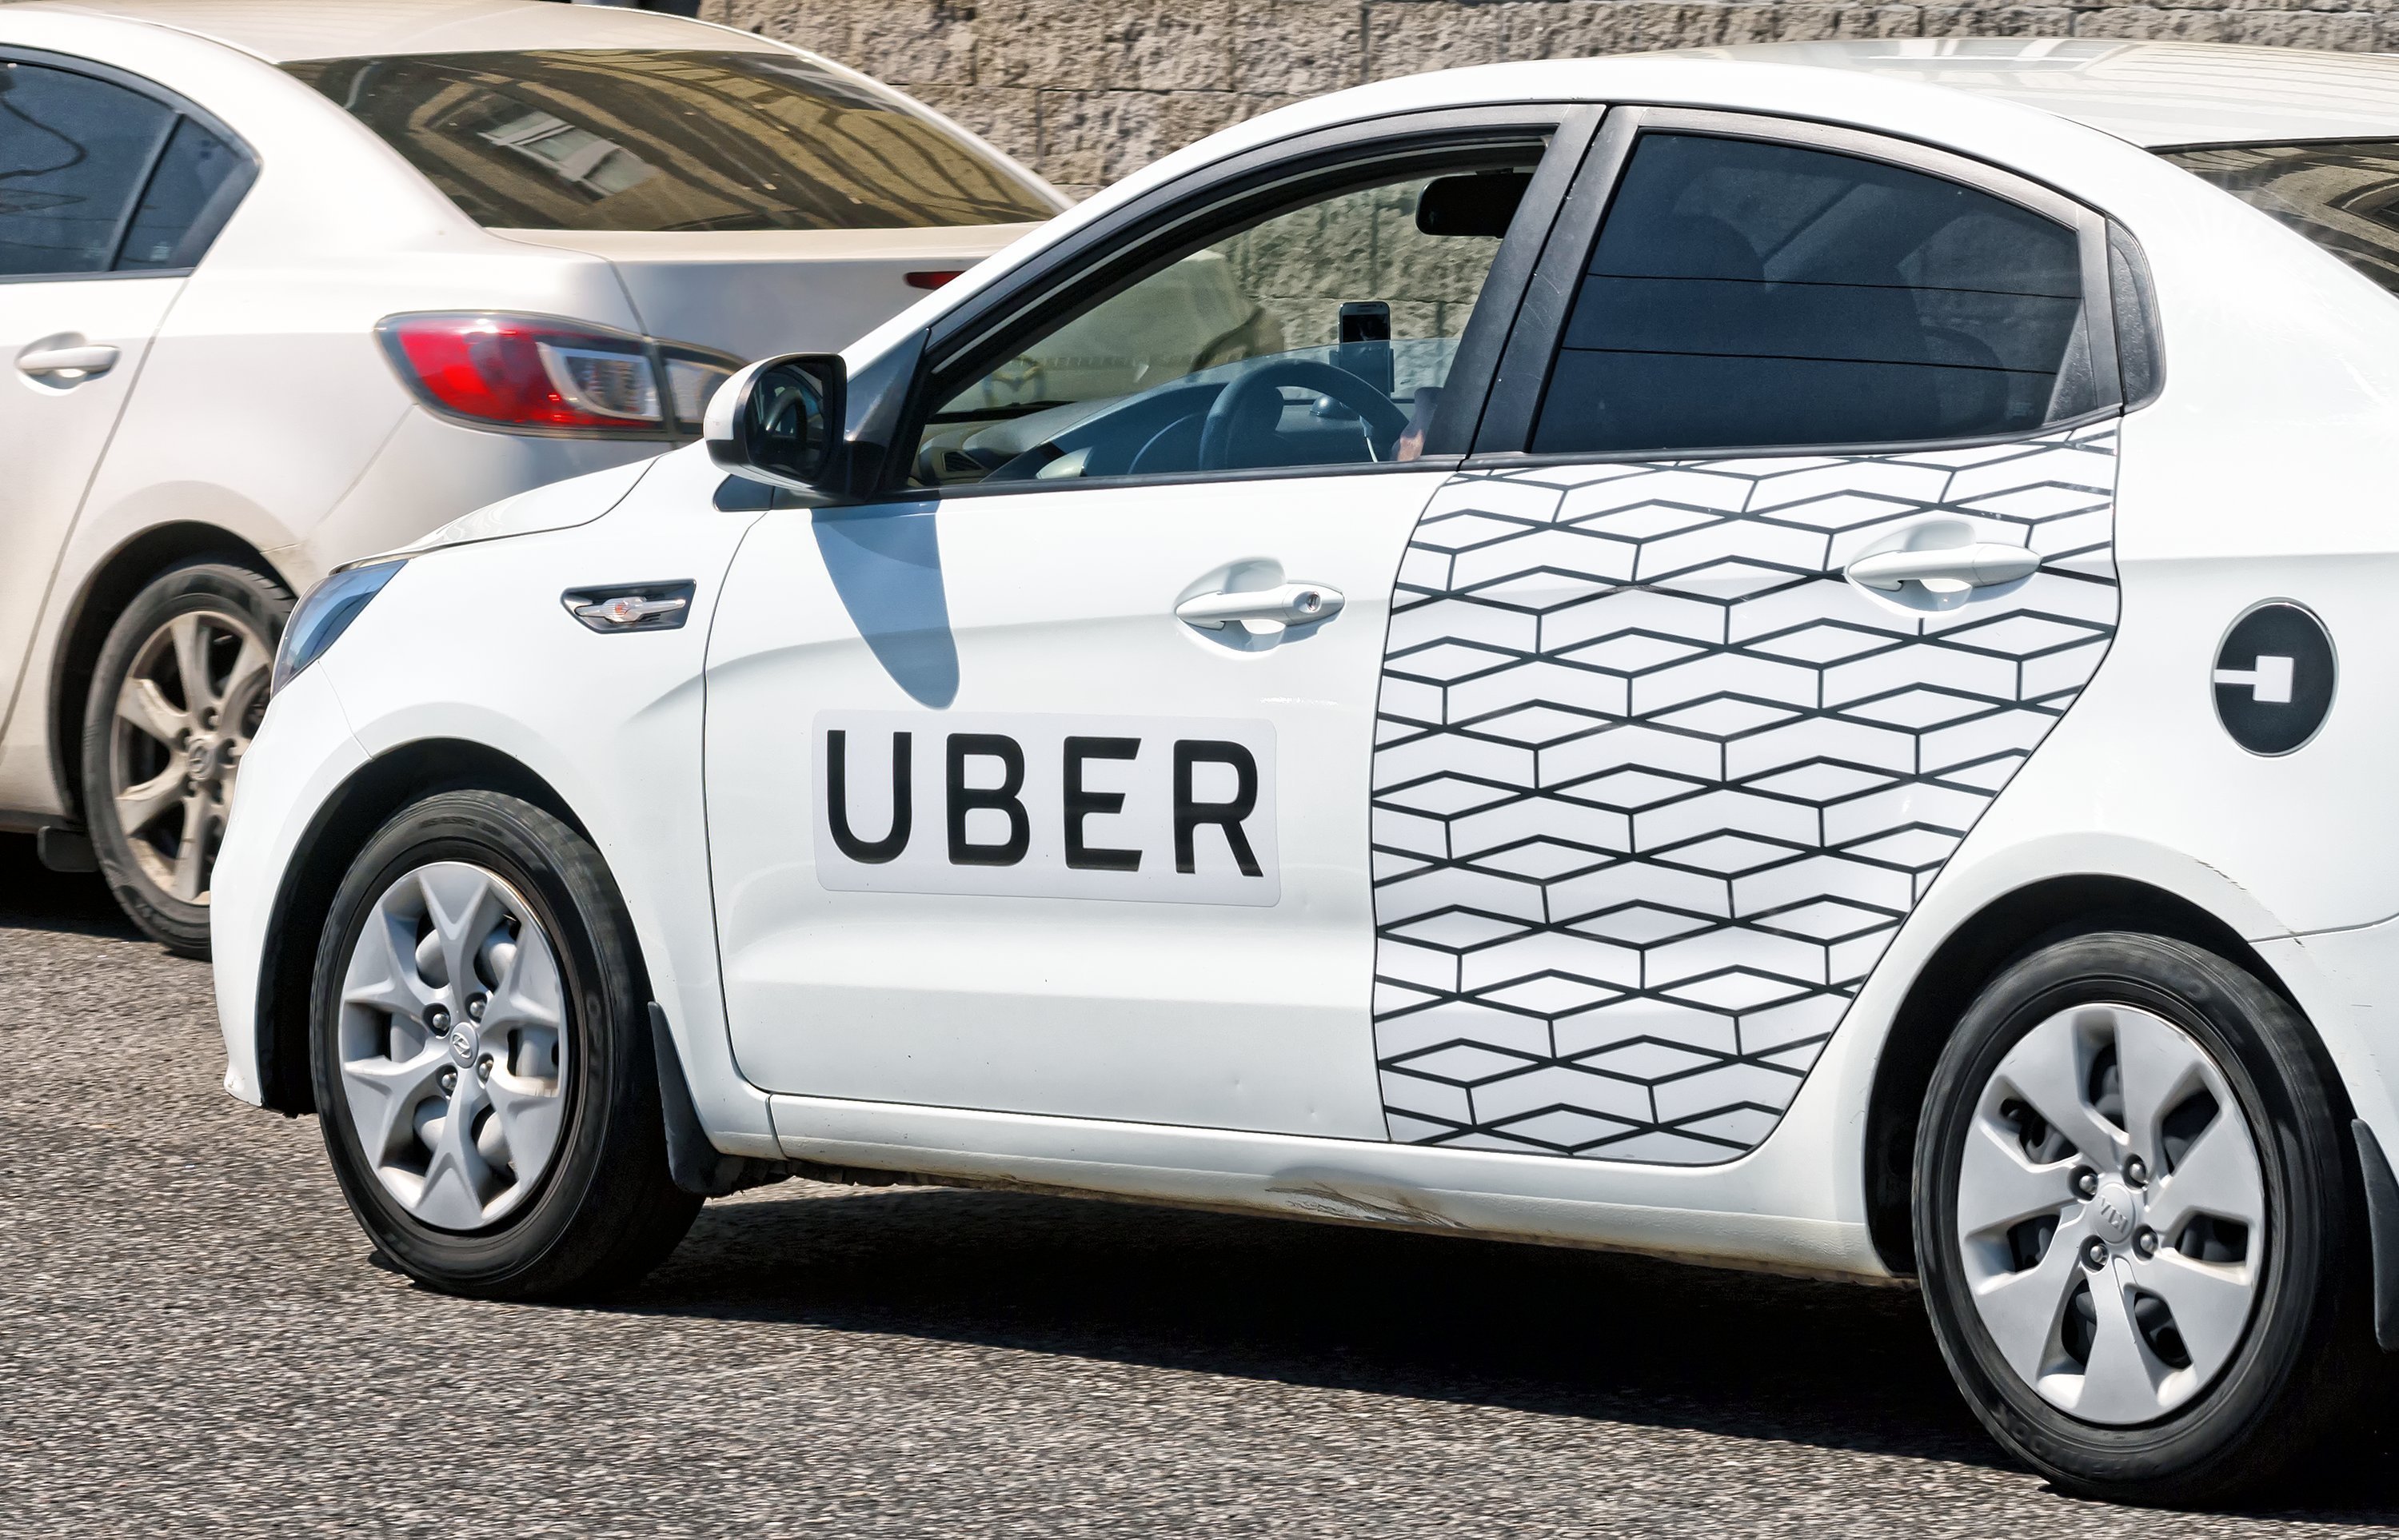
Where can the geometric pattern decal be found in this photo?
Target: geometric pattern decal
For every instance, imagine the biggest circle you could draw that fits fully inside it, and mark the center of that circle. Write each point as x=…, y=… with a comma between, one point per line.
x=1655, y=785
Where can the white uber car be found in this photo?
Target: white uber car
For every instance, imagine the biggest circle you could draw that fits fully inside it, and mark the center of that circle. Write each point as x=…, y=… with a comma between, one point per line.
x=1785, y=663
x=286, y=284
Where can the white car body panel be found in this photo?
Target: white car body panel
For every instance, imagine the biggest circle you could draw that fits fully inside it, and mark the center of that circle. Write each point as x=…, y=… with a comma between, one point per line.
x=2146, y=93
x=337, y=233
x=501, y=623
x=55, y=428
x=318, y=755
x=734, y=292
x=1249, y=1018
x=2138, y=782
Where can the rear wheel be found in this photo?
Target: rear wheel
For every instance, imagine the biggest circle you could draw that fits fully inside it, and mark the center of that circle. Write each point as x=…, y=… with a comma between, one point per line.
x=2134, y=1221
x=481, y=1048
x=180, y=687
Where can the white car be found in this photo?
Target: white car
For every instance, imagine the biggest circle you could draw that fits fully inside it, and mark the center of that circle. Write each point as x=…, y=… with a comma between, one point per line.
x=1784, y=660
x=286, y=284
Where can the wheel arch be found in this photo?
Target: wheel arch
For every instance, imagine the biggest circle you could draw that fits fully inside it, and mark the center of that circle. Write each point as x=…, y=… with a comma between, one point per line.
x=341, y=827
x=1973, y=953
x=111, y=586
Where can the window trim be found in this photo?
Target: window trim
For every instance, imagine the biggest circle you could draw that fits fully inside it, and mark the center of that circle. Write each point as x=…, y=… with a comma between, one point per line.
x=214, y=215
x=1118, y=241
x=1532, y=347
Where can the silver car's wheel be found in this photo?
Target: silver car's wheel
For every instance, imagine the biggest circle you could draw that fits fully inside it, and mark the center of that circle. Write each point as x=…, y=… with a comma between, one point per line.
x=2112, y=1214
x=2134, y=1220
x=185, y=714
x=454, y=1044
x=179, y=686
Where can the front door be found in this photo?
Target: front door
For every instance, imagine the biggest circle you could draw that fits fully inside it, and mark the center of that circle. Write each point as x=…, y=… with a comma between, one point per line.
x=1041, y=786
x=1799, y=546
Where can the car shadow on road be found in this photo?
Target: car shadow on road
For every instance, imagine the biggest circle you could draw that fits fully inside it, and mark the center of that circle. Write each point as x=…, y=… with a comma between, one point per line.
x=34, y=898
x=1543, y=1329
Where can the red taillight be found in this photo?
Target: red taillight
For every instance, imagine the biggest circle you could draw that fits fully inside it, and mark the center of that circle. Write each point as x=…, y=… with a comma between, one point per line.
x=932, y=279
x=522, y=371
x=534, y=374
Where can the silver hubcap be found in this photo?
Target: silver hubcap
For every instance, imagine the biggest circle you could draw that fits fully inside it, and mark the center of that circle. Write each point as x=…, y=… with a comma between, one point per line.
x=454, y=1044
x=184, y=716
x=2112, y=1214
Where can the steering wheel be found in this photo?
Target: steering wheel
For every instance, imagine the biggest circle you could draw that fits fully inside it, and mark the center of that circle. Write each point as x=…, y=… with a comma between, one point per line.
x=1247, y=395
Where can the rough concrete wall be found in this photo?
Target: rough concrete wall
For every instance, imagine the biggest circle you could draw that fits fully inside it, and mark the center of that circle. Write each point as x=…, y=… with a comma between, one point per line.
x=1086, y=90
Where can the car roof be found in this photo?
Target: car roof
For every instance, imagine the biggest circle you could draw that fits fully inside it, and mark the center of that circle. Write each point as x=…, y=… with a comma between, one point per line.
x=2149, y=94
x=280, y=29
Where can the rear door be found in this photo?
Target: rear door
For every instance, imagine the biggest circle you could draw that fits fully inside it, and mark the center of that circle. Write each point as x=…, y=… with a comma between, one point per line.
x=1791, y=543
x=1040, y=786
x=108, y=192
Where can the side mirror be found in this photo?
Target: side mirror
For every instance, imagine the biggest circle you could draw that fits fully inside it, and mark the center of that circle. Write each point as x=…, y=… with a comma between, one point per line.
x=780, y=421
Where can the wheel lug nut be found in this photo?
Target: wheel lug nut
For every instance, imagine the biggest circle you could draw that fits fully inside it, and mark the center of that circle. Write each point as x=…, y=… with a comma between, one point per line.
x=2135, y=1172
x=2087, y=1182
x=475, y=1003
x=483, y=1067
x=2145, y=1241
x=437, y=1019
x=2095, y=1253
x=449, y=1081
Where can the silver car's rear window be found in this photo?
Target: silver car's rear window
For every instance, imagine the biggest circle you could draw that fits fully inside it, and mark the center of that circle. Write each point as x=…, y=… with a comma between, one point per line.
x=2343, y=195
x=656, y=140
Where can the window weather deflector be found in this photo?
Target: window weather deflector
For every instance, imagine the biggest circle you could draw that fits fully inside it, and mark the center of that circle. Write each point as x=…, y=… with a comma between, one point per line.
x=1206, y=193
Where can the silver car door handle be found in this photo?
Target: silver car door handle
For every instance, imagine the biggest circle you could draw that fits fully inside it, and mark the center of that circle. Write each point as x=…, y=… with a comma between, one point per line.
x=1293, y=604
x=1979, y=565
x=75, y=363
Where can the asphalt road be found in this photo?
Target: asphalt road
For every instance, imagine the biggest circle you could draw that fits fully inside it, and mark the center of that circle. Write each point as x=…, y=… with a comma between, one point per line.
x=194, y=1339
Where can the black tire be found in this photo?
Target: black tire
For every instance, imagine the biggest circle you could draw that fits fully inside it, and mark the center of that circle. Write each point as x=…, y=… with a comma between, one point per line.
x=605, y=1212
x=2295, y=1379
x=130, y=860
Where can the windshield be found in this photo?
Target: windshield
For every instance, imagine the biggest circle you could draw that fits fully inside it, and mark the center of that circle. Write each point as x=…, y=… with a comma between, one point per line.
x=649, y=139
x=2344, y=196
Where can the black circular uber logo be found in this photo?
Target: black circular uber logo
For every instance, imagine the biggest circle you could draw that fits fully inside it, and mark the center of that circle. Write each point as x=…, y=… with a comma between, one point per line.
x=2274, y=678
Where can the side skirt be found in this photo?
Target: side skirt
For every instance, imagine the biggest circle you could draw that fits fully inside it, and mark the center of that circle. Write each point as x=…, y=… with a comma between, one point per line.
x=1497, y=1196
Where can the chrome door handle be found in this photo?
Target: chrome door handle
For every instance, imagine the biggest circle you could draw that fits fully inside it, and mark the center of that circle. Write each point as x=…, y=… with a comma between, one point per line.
x=1979, y=565
x=1293, y=604
x=69, y=365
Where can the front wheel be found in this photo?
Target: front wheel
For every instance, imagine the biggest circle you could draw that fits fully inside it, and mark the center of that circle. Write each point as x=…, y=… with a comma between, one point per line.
x=480, y=1043
x=2134, y=1224
x=180, y=686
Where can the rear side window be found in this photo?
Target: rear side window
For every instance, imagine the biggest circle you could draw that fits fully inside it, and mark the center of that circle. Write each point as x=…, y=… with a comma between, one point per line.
x=96, y=177
x=75, y=153
x=193, y=188
x=2344, y=198
x=658, y=140
x=1744, y=294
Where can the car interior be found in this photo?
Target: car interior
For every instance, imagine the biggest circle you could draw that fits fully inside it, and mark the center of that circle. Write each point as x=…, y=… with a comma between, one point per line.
x=1318, y=336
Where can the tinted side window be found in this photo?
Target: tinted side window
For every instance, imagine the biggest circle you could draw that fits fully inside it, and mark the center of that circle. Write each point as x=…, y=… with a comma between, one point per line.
x=184, y=203
x=1744, y=294
x=74, y=153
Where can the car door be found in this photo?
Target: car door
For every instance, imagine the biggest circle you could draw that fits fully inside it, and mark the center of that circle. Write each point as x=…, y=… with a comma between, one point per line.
x=1039, y=784
x=110, y=190
x=1791, y=542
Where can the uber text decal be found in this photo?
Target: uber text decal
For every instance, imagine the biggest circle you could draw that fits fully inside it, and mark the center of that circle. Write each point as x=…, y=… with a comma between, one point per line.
x=1158, y=809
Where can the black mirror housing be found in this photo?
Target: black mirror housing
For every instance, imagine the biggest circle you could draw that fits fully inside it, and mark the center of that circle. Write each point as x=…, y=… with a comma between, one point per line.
x=1480, y=203
x=781, y=421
